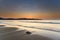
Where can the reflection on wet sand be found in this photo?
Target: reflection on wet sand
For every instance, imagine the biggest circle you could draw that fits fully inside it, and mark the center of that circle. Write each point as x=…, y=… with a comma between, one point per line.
x=10, y=33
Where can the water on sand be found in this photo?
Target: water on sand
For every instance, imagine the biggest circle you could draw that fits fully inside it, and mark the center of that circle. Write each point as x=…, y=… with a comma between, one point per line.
x=40, y=29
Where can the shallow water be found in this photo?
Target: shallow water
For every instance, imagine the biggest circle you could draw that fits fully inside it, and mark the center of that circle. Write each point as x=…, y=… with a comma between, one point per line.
x=45, y=28
x=53, y=25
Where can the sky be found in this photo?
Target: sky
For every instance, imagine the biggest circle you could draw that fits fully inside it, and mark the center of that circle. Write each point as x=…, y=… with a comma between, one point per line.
x=46, y=9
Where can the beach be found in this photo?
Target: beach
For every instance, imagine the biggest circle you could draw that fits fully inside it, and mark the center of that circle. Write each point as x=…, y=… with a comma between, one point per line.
x=19, y=35
x=39, y=30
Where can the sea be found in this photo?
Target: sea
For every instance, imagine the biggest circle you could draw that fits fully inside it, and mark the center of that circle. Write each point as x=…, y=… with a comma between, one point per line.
x=47, y=28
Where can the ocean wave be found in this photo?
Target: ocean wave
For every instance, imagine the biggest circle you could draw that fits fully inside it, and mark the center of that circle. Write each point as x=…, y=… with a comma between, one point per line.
x=40, y=28
x=41, y=22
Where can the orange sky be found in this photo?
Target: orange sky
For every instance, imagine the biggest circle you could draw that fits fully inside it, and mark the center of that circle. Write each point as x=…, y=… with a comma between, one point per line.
x=30, y=15
x=30, y=8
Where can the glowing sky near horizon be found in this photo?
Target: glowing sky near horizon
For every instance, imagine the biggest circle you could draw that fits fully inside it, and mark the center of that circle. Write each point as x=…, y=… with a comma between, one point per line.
x=30, y=8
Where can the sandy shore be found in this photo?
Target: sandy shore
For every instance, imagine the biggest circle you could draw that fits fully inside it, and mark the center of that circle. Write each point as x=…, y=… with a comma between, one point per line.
x=12, y=34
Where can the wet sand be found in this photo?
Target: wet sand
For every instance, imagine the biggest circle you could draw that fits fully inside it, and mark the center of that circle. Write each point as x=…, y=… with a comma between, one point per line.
x=6, y=34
